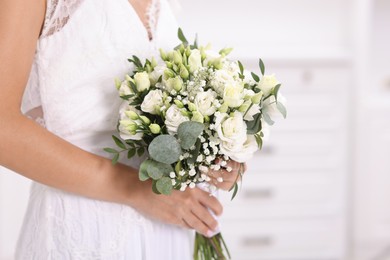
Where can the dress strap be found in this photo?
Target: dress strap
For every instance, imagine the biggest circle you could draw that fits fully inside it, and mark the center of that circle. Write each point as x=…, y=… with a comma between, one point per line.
x=58, y=13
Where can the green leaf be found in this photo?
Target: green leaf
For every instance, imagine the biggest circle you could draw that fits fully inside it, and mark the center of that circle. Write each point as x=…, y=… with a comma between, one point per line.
x=154, y=187
x=268, y=119
x=235, y=187
x=131, y=153
x=165, y=149
x=118, y=142
x=181, y=36
x=276, y=91
x=195, y=41
x=157, y=170
x=133, y=87
x=255, y=77
x=164, y=185
x=282, y=109
x=188, y=132
x=262, y=67
x=254, y=126
x=259, y=141
x=241, y=67
x=110, y=150
x=115, y=159
x=140, y=151
x=143, y=170
x=195, y=152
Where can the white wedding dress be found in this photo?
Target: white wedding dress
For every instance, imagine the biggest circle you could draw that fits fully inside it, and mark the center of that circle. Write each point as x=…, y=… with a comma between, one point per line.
x=83, y=48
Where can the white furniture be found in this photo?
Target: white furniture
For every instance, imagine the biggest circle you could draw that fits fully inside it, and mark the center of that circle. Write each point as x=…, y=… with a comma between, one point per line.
x=372, y=168
x=294, y=199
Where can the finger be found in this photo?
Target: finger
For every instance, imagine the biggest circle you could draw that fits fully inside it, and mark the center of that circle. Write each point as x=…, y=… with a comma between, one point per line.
x=195, y=223
x=202, y=213
x=210, y=202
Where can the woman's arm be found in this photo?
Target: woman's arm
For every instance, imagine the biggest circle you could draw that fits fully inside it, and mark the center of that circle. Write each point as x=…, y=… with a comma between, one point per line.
x=34, y=152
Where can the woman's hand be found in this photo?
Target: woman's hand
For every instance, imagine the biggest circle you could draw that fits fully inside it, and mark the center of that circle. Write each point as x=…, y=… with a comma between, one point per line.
x=186, y=209
x=227, y=175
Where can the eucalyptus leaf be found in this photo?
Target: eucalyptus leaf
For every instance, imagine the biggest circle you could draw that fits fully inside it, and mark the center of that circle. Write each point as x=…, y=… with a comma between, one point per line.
x=188, y=132
x=157, y=170
x=165, y=149
x=254, y=126
x=276, y=91
x=268, y=119
x=195, y=152
x=143, y=170
x=118, y=142
x=164, y=185
x=282, y=109
x=154, y=187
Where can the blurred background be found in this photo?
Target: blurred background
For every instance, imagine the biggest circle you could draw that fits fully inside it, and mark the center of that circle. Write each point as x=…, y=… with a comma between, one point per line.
x=320, y=188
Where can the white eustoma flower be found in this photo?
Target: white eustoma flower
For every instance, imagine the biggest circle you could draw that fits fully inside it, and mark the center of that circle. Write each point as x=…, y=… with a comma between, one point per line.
x=204, y=102
x=233, y=95
x=243, y=153
x=267, y=83
x=211, y=56
x=195, y=60
x=232, y=132
x=220, y=79
x=174, y=118
x=156, y=74
x=142, y=81
x=127, y=126
x=124, y=89
x=152, y=102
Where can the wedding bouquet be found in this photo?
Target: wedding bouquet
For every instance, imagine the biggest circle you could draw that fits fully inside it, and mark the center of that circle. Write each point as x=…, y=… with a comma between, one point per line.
x=192, y=112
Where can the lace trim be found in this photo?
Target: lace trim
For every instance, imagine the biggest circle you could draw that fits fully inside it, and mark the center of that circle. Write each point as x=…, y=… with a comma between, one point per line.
x=152, y=16
x=58, y=13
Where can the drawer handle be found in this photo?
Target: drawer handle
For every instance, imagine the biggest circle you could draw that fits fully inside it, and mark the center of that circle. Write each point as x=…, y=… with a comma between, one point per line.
x=265, y=241
x=387, y=83
x=307, y=76
x=259, y=194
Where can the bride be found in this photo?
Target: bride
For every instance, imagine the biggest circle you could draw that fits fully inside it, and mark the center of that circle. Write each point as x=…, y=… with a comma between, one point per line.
x=58, y=107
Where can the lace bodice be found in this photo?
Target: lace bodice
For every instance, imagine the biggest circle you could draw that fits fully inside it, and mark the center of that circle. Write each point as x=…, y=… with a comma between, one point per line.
x=58, y=13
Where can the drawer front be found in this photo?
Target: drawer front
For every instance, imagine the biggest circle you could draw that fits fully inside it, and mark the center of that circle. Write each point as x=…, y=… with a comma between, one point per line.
x=313, y=79
x=295, y=239
x=285, y=195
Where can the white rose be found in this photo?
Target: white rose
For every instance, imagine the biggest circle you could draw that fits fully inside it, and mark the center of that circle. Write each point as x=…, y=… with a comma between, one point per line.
x=156, y=74
x=152, y=101
x=174, y=118
x=204, y=102
x=267, y=83
x=244, y=153
x=231, y=131
x=124, y=89
x=233, y=95
x=220, y=79
x=142, y=81
x=127, y=126
x=195, y=60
